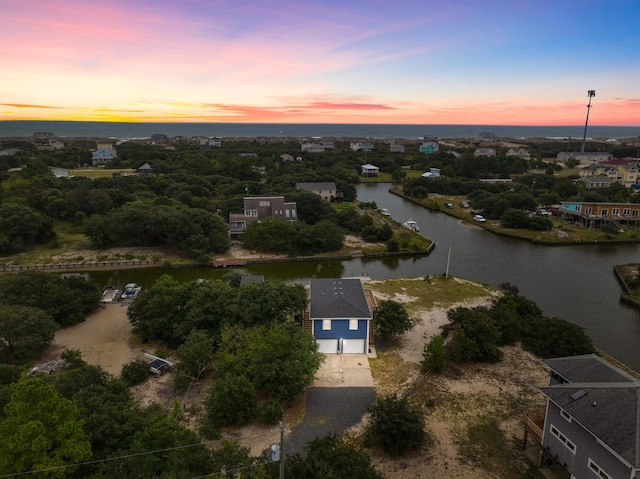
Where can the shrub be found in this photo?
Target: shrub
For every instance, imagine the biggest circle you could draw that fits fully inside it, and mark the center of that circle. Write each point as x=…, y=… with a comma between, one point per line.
x=231, y=401
x=135, y=372
x=433, y=355
x=395, y=426
x=270, y=412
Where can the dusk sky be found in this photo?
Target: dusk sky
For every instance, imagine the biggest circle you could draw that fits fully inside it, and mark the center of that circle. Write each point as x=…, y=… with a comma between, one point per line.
x=515, y=62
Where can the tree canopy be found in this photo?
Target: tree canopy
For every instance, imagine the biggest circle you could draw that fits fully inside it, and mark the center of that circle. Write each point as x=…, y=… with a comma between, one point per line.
x=390, y=319
x=24, y=331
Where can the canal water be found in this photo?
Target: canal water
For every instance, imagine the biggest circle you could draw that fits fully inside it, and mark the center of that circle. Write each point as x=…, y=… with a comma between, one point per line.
x=574, y=283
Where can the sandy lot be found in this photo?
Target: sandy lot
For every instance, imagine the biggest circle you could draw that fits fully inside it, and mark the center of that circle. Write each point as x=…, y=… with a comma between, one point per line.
x=104, y=339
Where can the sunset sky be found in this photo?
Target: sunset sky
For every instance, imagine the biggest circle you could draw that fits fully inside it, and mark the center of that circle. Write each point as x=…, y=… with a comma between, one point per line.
x=512, y=62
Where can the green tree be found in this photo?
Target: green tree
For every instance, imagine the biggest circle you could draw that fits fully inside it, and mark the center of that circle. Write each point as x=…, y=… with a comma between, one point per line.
x=331, y=457
x=473, y=335
x=280, y=360
x=395, y=426
x=135, y=372
x=231, y=401
x=517, y=219
x=265, y=302
x=433, y=355
x=24, y=331
x=272, y=235
x=67, y=300
x=390, y=319
x=549, y=337
x=41, y=430
x=21, y=225
x=193, y=358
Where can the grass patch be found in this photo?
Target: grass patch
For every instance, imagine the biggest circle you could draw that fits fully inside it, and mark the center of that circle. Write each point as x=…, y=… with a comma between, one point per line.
x=390, y=371
x=436, y=292
x=483, y=444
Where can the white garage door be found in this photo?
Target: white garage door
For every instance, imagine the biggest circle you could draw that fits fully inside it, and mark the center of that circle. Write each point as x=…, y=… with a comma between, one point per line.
x=353, y=346
x=327, y=346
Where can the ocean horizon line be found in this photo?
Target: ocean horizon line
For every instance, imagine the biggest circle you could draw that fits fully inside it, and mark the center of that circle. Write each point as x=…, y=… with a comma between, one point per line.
x=127, y=130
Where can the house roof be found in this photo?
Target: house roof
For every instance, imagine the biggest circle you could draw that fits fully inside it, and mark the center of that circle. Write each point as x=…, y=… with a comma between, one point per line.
x=597, y=179
x=320, y=185
x=338, y=298
x=144, y=167
x=369, y=166
x=603, y=399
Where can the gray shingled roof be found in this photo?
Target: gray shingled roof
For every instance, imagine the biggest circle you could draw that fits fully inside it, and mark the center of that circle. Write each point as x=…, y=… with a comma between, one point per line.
x=609, y=406
x=338, y=298
x=587, y=368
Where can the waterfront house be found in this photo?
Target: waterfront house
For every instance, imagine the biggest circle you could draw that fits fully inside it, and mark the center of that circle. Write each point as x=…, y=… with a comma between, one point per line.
x=325, y=189
x=43, y=137
x=360, y=145
x=487, y=137
x=598, y=213
x=591, y=423
x=594, y=182
x=340, y=315
x=393, y=148
x=159, y=139
x=257, y=207
x=369, y=170
x=624, y=172
x=432, y=173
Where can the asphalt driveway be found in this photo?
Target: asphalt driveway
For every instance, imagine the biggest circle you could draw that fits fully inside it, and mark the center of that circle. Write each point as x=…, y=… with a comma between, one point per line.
x=339, y=397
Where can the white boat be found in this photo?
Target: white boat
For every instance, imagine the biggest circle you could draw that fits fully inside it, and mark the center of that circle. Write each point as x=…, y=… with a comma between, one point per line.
x=131, y=290
x=109, y=294
x=384, y=212
x=412, y=225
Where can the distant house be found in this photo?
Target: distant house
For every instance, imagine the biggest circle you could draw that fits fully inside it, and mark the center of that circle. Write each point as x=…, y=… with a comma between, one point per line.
x=486, y=137
x=429, y=147
x=199, y=140
x=454, y=154
x=325, y=189
x=215, y=141
x=592, y=419
x=145, y=170
x=519, y=152
x=287, y=157
x=432, y=173
x=484, y=152
x=619, y=171
x=340, y=315
x=261, y=170
x=262, y=140
x=103, y=153
x=9, y=151
x=257, y=207
x=587, y=156
x=159, y=139
x=247, y=155
x=59, y=172
x=311, y=147
x=369, y=170
x=396, y=148
x=43, y=137
x=361, y=145
x=328, y=145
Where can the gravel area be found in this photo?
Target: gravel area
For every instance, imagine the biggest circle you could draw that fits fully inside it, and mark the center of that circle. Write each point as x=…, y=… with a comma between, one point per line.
x=329, y=411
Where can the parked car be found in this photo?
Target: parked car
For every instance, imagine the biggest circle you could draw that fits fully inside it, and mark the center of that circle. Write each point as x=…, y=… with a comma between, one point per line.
x=464, y=204
x=544, y=213
x=449, y=205
x=479, y=218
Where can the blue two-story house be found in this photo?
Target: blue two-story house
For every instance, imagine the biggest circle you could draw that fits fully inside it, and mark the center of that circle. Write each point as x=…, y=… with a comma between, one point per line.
x=340, y=315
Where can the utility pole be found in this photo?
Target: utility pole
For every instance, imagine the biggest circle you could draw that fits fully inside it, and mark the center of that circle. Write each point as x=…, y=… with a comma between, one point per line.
x=282, y=449
x=590, y=94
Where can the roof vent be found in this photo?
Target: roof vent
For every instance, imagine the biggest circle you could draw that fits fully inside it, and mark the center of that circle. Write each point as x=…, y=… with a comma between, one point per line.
x=578, y=394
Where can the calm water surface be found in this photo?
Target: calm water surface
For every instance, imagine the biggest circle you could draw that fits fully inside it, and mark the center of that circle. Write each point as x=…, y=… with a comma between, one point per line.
x=573, y=283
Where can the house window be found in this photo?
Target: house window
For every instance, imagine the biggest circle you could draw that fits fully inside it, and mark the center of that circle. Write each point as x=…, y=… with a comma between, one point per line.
x=598, y=470
x=265, y=203
x=604, y=212
x=587, y=211
x=626, y=211
x=634, y=213
x=287, y=214
x=565, y=415
x=326, y=325
x=353, y=325
x=615, y=211
x=251, y=213
x=563, y=439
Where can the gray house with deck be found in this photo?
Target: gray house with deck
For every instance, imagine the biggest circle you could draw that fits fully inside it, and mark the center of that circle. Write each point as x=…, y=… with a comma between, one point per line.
x=592, y=419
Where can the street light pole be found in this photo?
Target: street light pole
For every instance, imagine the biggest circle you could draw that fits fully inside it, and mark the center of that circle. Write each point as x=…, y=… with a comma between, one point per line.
x=590, y=94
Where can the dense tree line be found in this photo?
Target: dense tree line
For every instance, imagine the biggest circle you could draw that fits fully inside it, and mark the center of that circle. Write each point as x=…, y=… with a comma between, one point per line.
x=475, y=334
